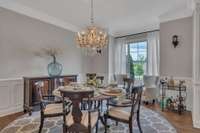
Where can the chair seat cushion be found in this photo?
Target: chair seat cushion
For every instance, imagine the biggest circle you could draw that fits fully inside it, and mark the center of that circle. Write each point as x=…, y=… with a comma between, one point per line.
x=53, y=108
x=118, y=112
x=84, y=121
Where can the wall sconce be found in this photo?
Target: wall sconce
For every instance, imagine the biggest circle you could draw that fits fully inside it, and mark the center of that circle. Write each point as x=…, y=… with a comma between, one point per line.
x=99, y=51
x=175, y=41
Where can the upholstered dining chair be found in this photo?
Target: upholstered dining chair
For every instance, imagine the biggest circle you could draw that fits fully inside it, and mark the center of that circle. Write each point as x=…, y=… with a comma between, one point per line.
x=49, y=107
x=89, y=120
x=100, y=79
x=118, y=113
x=119, y=78
x=151, y=88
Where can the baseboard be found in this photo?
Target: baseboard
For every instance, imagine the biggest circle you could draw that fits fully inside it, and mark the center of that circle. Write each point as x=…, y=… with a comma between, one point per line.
x=10, y=111
x=196, y=124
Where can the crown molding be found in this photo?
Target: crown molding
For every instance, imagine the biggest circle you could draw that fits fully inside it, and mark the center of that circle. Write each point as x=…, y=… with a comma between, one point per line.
x=27, y=11
x=176, y=14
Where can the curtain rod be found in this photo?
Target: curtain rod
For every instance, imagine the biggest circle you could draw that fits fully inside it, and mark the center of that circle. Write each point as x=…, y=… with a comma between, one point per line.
x=137, y=33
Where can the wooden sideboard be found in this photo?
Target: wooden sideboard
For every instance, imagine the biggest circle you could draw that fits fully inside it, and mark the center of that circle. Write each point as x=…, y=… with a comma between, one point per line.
x=49, y=84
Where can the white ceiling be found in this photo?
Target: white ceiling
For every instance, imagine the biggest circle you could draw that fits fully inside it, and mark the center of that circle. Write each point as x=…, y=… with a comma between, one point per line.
x=120, y=17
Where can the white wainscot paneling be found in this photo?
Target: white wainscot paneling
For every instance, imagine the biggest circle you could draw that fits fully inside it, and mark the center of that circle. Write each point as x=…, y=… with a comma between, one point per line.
x=11, y=96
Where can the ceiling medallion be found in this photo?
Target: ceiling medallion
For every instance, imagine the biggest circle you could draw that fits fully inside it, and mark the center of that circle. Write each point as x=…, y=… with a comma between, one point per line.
x=93, y=38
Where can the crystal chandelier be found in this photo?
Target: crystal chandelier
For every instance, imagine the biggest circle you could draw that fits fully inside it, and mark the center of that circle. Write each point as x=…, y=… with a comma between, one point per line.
x=92, y=38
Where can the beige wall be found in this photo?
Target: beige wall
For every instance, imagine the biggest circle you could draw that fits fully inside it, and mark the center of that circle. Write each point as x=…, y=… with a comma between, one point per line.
x=176, y=61
x=22, y=38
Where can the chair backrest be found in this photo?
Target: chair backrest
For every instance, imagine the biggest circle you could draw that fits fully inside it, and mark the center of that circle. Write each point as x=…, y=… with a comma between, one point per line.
x=127, y=84
x=100, y=78
x=91, y=75
x=89, y=106
x=136, y=100
x=150, y=80
x=40, y=91
x=93, y=105
x=119, y=78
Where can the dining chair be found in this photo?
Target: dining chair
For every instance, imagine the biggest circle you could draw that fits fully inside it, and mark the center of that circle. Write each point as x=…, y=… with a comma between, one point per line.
x=100, y=79
x=117, y=113
x=127, y=85
x=89, y=120
x=48, y=107
x=151, y=88
x=119, y=78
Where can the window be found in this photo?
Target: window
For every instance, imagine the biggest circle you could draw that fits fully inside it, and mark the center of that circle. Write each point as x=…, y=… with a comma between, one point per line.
x=137, y=59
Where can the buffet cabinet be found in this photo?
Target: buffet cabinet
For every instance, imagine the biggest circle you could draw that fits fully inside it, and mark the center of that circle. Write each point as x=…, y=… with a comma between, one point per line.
x=49, y=84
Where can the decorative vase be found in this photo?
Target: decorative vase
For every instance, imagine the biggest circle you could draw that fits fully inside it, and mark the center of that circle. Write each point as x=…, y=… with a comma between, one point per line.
x=54, y=68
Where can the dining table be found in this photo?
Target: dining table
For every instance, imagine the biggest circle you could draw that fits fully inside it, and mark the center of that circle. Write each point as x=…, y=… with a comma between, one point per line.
x=101, y=94
x=76, y=93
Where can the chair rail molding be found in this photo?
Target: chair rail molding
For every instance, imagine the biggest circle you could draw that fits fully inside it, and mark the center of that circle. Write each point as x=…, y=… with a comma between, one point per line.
x=196, y=67
x=11, y=96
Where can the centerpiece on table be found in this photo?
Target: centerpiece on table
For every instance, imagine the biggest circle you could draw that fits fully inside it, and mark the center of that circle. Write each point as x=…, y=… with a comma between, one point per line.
x=92, y=79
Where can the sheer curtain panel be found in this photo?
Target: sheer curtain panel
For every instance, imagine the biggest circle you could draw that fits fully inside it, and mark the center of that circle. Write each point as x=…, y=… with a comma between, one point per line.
x=120, y=56
x=153, y=53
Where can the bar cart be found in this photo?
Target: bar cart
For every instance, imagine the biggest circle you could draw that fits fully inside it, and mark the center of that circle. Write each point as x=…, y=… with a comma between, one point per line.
x=178, y=105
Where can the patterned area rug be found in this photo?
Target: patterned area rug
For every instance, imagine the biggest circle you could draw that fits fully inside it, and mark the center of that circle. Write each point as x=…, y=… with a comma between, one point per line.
x=151, y=122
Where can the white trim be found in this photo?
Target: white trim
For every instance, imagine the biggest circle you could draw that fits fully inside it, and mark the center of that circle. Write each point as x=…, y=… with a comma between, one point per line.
x=196, y=65
x=196, y=83
x=10, y=79
x=11, y=110
x=11, y=96
x=196, y=107
x=196, y=124
x=22, y=9
x=179, y=78
x=175, y=16
x=181, y=12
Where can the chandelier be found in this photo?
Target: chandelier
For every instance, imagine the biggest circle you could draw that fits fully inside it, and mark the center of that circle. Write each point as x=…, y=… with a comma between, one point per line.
x=92, y=38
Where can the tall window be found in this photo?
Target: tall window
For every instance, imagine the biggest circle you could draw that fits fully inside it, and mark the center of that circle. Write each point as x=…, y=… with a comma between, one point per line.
x=137, y=59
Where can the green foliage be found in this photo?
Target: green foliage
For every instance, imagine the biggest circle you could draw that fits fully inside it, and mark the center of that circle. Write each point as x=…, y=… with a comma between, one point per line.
x=130, y=62
x=136, y=68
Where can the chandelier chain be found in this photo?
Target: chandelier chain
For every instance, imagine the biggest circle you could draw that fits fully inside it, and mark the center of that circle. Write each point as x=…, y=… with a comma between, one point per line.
x=92, y=12
x=92, y=38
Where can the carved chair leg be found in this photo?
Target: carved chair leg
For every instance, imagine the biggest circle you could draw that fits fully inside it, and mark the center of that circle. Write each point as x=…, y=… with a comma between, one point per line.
x=97, y=126
x=130, y=127
x=105, y=120
x=138, y=122
x=41, y=124
x=64, y=128
x=101, y=104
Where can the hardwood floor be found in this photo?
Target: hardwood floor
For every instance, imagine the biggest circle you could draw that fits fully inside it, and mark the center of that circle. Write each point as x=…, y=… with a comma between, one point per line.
x=183, y=123
x=4, y=121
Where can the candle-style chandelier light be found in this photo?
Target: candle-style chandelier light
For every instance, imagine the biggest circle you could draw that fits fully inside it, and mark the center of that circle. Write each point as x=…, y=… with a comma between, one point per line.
x=92, y=38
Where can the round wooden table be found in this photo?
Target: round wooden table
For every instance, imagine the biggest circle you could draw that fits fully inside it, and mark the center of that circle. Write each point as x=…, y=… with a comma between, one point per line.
x=76, y=96
x=99, y=93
